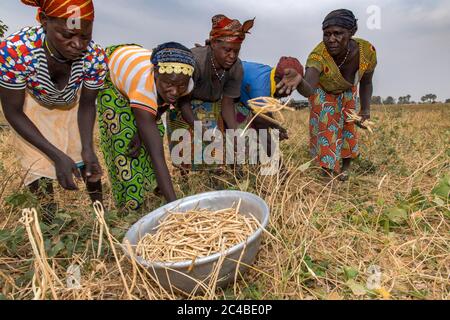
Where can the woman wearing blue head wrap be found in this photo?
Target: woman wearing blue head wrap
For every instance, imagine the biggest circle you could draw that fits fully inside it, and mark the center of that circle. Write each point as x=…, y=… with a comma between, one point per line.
x=140, y=86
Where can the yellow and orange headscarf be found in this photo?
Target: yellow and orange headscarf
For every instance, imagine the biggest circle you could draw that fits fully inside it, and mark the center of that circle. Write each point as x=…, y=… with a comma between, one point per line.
x=64, y=8
x=229, y=30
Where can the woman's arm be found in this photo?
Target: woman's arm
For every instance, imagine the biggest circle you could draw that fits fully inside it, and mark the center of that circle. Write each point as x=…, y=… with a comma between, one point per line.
x=310, y=82
x=86, y=120
x=186, y=110
x=149, y=133
x=305, y=89
x=12, y=103
x=228, y=112
x=293, y=80
x=365, y=93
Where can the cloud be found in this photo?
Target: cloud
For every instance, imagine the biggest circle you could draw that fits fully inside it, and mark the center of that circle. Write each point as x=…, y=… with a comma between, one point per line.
x=412, y=45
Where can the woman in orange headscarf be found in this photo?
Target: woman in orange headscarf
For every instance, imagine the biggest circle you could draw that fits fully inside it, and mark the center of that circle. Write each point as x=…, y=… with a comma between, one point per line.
x=218, y=76
x=49, y=78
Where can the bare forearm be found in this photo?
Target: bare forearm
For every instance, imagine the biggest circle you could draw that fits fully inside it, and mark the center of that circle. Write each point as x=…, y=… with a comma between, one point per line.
x=86, y=118
x=305, y=89
x=229, y=120
x=163, y=178
x=162, y=174
x=86, y=121
x=365, y=93
x=186, y=111
x=153, y=143
x=310, y=82
x=228, y=113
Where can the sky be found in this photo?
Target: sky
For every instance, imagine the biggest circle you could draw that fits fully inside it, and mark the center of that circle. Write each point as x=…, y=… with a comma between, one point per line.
x=412, y=37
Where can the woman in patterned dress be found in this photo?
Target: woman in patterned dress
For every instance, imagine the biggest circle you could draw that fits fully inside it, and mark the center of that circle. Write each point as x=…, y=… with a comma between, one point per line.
x=49, y=79
x=217, y=77
x=335, y=68
x=140, y=86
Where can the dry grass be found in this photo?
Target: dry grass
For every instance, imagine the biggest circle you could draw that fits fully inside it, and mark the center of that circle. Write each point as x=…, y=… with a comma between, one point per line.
x=324, y=236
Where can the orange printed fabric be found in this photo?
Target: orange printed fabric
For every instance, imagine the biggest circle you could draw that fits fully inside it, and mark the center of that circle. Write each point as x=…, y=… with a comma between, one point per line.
x=82, y=9
x=332, y=138
x=229, y=30
x=132, y=74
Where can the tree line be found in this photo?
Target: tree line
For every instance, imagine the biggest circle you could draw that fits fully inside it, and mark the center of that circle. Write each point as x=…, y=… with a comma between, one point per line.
x=429, y=98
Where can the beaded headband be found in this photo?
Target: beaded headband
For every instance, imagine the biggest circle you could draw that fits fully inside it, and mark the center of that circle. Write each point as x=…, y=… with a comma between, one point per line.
x=175, y=67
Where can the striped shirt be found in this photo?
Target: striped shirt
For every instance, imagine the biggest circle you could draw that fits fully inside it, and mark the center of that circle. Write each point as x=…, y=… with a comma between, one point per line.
x=132, y=73
x=23, y=65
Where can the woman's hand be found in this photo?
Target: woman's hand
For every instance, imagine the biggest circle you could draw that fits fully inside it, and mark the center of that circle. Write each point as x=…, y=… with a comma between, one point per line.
x=135, y=146
x=365, y=115
x=93, y=169
x=290, y=82
x=65, y=170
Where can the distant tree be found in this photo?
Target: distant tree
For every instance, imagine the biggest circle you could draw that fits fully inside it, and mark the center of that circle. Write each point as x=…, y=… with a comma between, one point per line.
x=389, y=100
x=429, y=98
x=447, y=101
x=424, y=99
x=376, y=100
x=433, y=98
x=3, y=29
x=408, y=99
x=404, y=100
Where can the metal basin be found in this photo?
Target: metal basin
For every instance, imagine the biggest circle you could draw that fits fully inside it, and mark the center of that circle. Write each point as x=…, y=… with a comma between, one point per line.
x=194, y=279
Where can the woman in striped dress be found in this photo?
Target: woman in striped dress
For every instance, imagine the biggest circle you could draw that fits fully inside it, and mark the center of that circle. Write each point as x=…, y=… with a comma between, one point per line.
x=49, y=79
x=140, y=86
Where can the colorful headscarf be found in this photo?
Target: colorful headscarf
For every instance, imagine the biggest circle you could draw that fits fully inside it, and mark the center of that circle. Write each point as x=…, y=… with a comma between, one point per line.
x=229, y=30
x=288, y=63
x=64, y=8
x=173, y=57
x=341, y=18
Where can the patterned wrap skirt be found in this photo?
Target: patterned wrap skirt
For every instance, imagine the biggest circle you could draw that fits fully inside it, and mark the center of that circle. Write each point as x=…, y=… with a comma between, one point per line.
x=332, y=137
x=209, y=113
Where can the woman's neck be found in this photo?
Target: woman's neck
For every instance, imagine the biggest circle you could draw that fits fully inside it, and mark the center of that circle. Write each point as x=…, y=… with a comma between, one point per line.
x=345, y=56
x=54, y=54
x=215, y=64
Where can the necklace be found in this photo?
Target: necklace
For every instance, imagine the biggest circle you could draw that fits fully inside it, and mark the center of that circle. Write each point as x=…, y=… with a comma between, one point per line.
x=52, y=54
x=346, y=56
x=215, y=70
